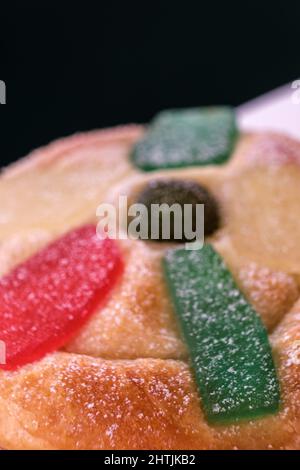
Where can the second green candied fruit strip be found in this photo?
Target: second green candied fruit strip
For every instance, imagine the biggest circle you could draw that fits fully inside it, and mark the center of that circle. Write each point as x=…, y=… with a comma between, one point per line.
x=188, y=137
x=228, y=344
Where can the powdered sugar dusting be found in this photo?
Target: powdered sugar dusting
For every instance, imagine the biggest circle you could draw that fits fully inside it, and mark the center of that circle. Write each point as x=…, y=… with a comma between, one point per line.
x=46, y=299
x=273, y=149
x=100, y=404
x=69, y=401
x=272, y=293
x=183, y=138
x=138, y=320
x=229, y=347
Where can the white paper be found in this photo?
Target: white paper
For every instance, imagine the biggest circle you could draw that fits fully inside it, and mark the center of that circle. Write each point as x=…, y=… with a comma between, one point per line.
x=278, y=110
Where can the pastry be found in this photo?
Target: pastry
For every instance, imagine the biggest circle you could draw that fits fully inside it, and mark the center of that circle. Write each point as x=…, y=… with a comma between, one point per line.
x=106, y=341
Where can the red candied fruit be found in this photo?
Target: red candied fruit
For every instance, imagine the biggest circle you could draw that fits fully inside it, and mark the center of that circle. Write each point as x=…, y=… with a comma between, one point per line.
x=47, y=299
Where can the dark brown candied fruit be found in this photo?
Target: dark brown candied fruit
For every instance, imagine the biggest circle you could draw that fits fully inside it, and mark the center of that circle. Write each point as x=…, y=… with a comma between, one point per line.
x=179, y=192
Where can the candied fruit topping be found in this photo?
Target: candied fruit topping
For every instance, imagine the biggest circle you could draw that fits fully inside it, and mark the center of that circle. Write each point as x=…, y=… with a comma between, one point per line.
x=182, y=192
x=45, y=300
x=188, y=137
x=228, y=344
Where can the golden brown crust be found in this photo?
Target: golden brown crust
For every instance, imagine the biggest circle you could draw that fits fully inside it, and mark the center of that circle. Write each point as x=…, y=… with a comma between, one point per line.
x=61, y=185
x=76, y=401
x=260, y=196
x=47, y=155
x=138, y=320
x=272, y=293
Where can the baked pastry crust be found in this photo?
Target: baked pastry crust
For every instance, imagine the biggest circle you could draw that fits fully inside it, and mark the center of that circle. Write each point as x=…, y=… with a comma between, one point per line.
x=128, y=367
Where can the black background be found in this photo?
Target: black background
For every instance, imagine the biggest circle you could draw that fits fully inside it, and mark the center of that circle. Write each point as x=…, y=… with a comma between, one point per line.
x=70, y=68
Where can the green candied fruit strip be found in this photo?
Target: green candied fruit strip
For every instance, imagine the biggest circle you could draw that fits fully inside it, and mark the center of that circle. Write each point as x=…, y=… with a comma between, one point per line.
x=190, y=137
x=228, y=344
